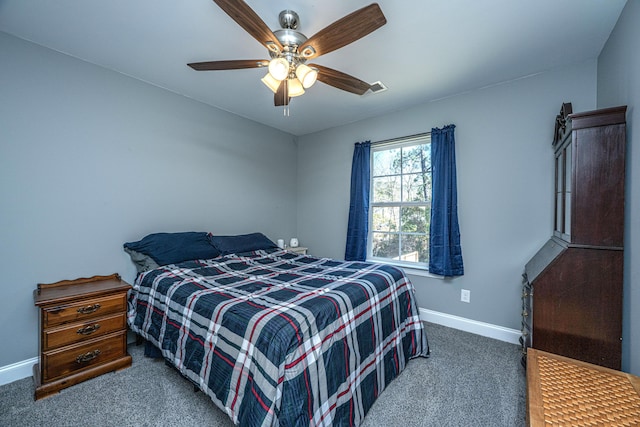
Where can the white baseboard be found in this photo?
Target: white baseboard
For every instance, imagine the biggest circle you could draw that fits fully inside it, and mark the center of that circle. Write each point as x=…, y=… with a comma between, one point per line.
x=480, y=328
x=17, y=371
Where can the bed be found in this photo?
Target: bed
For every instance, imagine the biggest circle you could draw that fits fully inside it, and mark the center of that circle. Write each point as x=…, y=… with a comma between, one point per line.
x=278, y=338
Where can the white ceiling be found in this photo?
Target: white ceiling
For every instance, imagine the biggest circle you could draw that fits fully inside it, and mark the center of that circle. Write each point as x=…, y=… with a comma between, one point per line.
x=429, y=49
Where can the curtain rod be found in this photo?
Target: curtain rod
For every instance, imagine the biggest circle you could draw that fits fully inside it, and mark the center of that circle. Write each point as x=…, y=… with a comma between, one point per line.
x=402, y=138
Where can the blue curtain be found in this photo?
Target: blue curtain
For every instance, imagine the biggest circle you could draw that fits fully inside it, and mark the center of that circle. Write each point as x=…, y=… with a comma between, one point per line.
x=358, y=227
x=445, y=252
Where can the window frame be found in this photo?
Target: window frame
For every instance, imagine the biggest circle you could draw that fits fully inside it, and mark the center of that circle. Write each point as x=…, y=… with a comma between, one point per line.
x=403, y=142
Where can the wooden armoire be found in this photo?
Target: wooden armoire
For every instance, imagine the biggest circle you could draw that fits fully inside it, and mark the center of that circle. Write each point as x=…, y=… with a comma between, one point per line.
x=572, y=295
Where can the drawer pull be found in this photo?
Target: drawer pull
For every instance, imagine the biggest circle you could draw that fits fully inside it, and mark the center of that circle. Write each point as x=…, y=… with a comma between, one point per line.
x=89, y=329
x=89, y=309
x=88, y=356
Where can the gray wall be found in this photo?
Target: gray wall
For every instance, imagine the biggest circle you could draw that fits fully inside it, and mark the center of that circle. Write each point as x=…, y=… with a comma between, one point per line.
x=90, y=159
x=505, y=192
x=619, y=84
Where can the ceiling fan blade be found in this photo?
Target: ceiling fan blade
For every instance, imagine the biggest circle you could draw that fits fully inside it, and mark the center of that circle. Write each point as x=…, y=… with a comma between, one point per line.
x=341, y=80
x=229, y=65
x=344, y=31
x=280, y=98
x=240, y=12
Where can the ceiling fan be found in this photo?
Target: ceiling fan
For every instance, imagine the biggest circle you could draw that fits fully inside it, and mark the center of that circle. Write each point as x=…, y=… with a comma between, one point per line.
x=289, y=49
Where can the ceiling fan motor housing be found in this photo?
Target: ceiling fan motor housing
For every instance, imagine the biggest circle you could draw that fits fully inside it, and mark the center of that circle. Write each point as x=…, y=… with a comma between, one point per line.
x=289, y=38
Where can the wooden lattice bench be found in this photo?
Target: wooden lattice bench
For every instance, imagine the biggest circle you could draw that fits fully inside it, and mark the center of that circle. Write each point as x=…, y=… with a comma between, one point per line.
x=568, y=392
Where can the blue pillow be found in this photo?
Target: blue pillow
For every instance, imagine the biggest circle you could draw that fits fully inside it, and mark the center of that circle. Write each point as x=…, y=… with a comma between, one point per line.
x=242, y=243
x=171, y=248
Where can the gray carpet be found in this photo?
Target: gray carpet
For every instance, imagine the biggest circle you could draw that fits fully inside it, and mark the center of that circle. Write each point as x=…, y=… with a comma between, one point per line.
x=469, y=380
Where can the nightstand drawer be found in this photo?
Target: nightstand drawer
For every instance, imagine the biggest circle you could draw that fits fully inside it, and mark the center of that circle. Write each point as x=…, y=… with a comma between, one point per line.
x=80, y=310
x=66, y=361
x=65, y=335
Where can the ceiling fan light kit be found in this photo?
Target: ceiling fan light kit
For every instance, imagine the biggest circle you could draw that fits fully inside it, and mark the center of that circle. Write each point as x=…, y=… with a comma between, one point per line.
x=289, y=49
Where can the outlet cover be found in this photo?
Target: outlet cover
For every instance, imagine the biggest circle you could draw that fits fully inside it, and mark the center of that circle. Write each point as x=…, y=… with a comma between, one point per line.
x=465, y=295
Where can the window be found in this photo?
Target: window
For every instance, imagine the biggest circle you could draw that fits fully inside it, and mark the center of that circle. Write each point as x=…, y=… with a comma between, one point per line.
x=400, y=206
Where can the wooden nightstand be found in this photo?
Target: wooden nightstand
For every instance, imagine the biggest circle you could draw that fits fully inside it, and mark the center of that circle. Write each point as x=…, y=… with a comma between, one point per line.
x=83, y=331
x=298, y=250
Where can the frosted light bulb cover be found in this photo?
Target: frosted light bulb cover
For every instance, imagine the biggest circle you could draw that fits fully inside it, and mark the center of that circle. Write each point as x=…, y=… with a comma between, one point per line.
x=294, y=88
x=279, y=68
x=271, y=82
x=306, y=75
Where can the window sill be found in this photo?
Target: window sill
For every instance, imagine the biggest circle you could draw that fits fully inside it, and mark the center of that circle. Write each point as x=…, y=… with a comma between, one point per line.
x=413, y=271
x=410, y=270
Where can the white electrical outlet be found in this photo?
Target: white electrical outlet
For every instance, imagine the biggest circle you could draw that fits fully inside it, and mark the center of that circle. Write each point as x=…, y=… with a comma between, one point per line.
x=465, y=295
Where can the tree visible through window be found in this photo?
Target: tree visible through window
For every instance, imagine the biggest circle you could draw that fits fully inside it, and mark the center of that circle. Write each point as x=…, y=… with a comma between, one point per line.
x=400, y=207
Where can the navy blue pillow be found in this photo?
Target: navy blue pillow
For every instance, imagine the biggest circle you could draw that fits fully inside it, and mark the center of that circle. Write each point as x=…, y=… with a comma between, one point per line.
x=242, y=243
x=171, y=248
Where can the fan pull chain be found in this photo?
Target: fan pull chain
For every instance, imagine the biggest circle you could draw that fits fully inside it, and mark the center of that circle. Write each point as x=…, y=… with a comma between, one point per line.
x=286, y=97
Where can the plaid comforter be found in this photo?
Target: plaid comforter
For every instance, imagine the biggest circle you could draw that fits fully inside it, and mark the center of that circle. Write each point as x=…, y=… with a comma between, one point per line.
x=276, y=338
